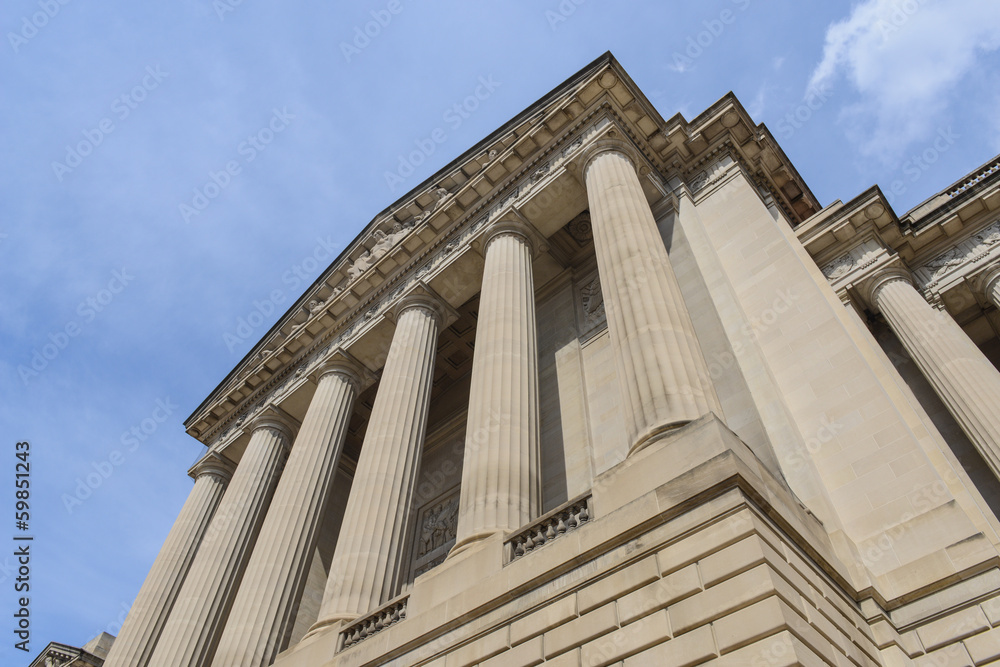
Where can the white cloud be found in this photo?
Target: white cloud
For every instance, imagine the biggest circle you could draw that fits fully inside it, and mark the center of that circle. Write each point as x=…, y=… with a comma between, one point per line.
x=756, y=106
x=904, y=57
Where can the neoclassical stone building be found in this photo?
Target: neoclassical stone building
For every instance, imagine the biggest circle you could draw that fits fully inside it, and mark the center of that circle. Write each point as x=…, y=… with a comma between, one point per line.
x=608, y=389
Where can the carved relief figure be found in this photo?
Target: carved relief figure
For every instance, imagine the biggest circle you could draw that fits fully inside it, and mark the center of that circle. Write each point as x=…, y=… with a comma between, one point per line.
x=439, y=526
x=593, y=302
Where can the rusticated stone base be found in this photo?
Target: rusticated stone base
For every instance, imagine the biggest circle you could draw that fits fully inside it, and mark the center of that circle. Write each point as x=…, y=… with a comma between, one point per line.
x=694, y=555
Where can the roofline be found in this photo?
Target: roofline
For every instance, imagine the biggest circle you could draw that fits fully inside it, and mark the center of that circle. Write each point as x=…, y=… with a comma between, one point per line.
x=604, y=59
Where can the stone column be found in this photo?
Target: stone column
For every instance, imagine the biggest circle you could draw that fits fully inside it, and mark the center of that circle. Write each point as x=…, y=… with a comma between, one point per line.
x=991, y=284
x=192, y=631
x=965, y=380
x=500, y=476
x=265, y=605
x=137, y=638
x=366, y=562
x=662, y=373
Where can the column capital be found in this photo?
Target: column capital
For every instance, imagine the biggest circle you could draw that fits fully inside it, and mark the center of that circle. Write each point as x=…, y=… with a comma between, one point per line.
x=511, y=223
x=874, y=283
x=610, y=143
x=279, y=420
x=989, y=279
x=341, y=362
x=422, y=296
x=213, y=463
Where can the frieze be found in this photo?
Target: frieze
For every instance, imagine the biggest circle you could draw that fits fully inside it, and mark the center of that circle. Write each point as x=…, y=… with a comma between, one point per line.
x=713, y=173
x=857, y=259
x=974, y=249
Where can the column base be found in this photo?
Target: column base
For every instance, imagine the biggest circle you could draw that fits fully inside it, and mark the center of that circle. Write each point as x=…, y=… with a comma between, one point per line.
x=327, y=623
x=657, y=433
x=472, y=540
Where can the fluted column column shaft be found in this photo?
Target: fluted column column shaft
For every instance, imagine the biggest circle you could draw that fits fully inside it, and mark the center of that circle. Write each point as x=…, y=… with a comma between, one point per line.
x=966, y=381
x=500, y=475
x=192, y=631
x=265, y=605
x=662, y=373
x=137, y=638
x=366, y=562
x=993, y=288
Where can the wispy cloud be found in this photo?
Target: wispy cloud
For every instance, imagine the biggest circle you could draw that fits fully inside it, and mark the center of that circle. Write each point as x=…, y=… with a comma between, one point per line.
x=903, y=57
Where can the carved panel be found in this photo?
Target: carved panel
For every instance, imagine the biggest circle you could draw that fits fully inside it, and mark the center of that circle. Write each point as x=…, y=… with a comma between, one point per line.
x=591, y=315
x=970, y=251
x=858, y=259
x=436, y=527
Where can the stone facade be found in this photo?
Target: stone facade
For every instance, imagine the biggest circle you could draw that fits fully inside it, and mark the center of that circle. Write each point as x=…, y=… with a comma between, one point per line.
x=608, y=389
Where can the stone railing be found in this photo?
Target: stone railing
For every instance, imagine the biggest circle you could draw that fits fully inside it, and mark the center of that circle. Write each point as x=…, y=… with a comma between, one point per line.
x=965, y=185
x=548, y=527
x=388, y=614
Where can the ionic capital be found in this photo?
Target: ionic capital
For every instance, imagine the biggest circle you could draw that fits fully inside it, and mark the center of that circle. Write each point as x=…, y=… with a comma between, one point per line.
x=213, y=463
x=990, y=280
x=874, y=283
x=342, y=363
x=277, y=419
x=611, y=143
x=511, y=223
x=423, y=297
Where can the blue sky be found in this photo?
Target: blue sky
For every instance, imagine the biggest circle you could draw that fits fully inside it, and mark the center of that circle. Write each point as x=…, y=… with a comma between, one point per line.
x=276, y=129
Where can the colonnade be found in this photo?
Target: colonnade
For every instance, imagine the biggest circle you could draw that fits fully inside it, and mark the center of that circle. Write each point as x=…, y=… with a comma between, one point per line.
x=225, y=588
